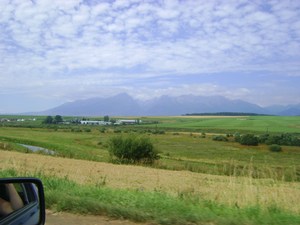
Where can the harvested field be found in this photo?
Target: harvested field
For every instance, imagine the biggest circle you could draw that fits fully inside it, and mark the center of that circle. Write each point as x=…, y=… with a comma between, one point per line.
x=239, y=191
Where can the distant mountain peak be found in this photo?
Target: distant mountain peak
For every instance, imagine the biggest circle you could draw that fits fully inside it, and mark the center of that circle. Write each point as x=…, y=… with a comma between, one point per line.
x=125, y=105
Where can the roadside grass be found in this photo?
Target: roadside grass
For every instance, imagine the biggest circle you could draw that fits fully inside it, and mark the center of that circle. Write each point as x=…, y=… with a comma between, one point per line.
x=157, y=207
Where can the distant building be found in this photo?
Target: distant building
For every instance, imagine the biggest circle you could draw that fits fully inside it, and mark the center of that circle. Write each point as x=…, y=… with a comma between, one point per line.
x=4, y=120
x=94, y=122
x=127, y=122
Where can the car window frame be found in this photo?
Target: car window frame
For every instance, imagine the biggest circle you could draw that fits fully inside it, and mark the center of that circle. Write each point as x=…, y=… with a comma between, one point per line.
x=39, y=200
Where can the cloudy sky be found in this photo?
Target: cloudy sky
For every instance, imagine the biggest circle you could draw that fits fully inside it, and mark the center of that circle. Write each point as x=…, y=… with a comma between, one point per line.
x=54, y=51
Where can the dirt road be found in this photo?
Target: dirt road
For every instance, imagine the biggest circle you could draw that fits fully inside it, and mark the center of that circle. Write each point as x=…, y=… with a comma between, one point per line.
x=67, y=218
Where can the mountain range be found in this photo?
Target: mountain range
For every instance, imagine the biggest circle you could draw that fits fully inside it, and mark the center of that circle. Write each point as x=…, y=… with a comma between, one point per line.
x=125, y=105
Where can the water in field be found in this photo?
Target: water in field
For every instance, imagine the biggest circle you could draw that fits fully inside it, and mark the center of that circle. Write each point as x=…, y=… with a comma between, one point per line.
x=37, y=149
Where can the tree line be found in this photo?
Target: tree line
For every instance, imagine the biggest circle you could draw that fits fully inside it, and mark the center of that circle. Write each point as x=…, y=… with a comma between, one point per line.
x=53, y=120
x=225, y=114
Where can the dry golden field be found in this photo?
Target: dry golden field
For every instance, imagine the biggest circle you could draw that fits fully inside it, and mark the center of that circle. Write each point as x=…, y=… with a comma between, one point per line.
x=239, y=191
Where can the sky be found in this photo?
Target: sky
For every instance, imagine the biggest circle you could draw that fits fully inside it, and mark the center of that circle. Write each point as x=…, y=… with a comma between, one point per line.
x=56, y=51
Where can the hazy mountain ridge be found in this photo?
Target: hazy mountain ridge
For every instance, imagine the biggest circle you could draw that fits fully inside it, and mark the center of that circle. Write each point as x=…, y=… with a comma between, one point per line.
x=289, y=110
x=125, y=105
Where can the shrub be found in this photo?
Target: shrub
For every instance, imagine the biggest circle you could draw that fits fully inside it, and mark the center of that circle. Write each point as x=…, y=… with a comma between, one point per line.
x=248, y=139
x=132, y=149
x=117, y=131
x=237, y=137
x=220, y=138
x=102, y=130
x=275, y=148
x=158, y=132
x=263, y=138
x=273, y=140
x=283, y=139
x=76, y=130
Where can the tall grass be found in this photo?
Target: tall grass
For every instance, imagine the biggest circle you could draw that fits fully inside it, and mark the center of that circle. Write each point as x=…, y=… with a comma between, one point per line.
x=233, y=168
x=63, y=194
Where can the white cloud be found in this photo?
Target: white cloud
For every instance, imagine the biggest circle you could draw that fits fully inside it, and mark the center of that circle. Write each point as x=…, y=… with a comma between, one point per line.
x=44, y=40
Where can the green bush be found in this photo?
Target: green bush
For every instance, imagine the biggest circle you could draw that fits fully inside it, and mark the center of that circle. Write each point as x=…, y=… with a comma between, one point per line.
x=132, y=149
x=102, y=130
x=220, y=138
x=275, y=148
x=248, y=139
x=158, y=132
x=283, y=139
x=117, y=131
x=263, y=138
x=237, y=137
x=76, y=130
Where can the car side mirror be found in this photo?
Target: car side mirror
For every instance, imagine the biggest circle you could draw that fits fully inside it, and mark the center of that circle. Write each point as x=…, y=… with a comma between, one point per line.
x=22, y=201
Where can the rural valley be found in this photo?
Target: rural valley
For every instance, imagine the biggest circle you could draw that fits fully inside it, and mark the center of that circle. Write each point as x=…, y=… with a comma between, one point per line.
x=203, y=174
x=150, y=112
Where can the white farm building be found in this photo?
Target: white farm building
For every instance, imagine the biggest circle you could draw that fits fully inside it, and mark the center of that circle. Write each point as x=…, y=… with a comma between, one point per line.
x=94, y=122
x=123, y=122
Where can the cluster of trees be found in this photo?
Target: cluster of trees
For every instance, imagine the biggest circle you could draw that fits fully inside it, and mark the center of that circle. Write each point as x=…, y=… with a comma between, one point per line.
x=58, y=119
x=274, y=141
x=53, y=120
x=225, y=114
x=281, y=139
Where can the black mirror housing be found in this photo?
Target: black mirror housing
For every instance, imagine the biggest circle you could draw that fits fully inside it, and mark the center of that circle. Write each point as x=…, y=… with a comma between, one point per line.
x=28, y=191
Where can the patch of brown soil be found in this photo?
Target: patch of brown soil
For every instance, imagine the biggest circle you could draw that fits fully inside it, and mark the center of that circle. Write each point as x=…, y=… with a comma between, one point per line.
x=63, y=218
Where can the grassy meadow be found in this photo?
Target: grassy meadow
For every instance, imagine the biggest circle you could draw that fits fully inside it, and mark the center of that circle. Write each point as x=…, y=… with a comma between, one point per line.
x=230, y=124
x=220, y=182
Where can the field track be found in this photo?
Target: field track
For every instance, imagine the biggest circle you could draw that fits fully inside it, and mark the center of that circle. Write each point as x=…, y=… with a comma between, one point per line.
x=63, y=218
x=230, y=190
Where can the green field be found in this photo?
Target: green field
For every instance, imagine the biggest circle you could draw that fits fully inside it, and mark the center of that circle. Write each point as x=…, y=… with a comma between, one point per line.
x=222, y=124
x=184, y=144
x=179, y=149
x=277, y=124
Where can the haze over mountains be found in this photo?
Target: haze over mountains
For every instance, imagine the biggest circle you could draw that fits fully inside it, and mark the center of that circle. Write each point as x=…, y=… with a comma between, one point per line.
x=125, y=105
